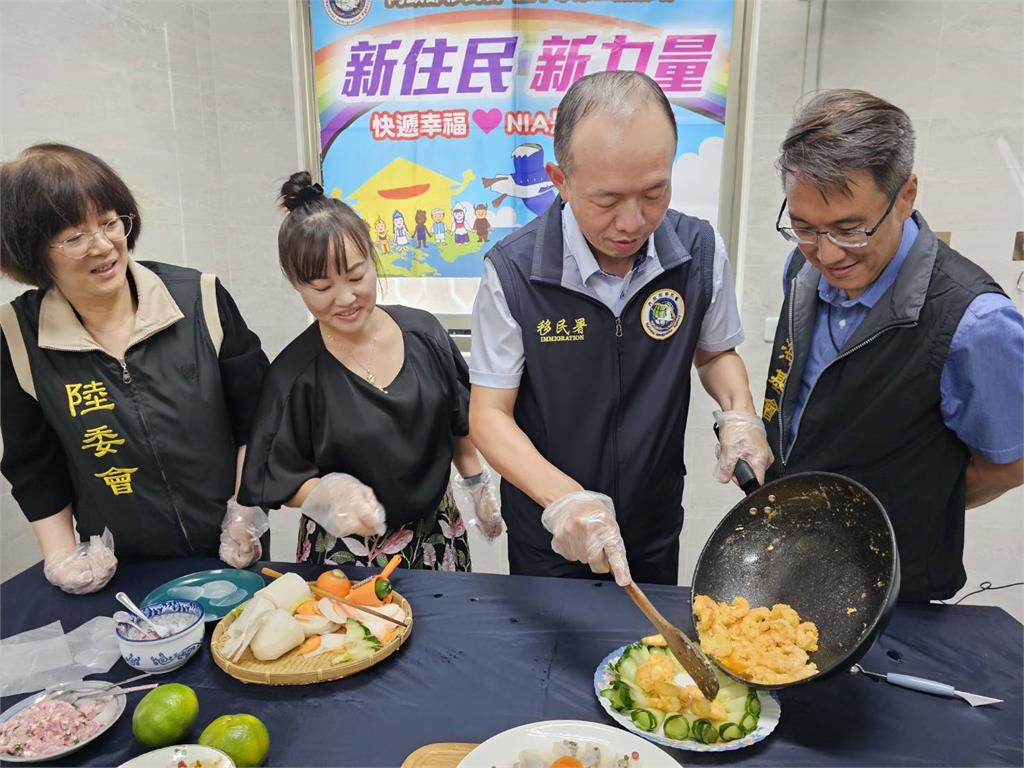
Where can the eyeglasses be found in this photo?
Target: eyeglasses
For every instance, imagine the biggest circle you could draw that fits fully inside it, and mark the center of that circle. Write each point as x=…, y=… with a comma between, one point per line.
x=844, y=238
x=115, y=230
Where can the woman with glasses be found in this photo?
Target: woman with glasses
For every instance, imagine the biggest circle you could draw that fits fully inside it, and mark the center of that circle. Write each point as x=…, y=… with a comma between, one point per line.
x=363, y=414
x=128, y=386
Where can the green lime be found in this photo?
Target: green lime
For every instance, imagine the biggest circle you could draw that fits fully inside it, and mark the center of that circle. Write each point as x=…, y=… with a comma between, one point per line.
x=243, y=737
x=165, y=714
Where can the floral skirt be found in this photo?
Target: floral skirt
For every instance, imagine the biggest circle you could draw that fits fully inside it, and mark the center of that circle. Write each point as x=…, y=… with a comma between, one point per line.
x=436, y=542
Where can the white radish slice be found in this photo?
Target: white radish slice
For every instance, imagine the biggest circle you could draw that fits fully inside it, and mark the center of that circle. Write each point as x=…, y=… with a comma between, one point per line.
x=378, y=627
x=244, y=628
x=286, y=591
x=316, y=625
x=329, y=609
x=278, y=635
x=332, y=642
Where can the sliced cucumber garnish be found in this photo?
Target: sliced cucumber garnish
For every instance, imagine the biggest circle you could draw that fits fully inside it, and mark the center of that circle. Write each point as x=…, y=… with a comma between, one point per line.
x=676, y=727
x=644, y=719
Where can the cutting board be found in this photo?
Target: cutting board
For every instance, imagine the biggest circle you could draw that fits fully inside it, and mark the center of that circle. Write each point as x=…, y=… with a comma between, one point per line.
x=445, y=754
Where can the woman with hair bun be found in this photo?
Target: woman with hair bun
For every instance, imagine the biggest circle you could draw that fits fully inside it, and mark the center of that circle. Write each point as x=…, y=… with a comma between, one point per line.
x=362, y=415
x=127, y=386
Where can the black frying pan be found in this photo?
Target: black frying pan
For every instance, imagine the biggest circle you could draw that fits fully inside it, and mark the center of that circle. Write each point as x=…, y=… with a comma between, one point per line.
x=825, y=546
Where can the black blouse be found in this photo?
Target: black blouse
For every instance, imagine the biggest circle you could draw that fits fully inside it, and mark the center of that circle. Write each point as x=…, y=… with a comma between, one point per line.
x=316, y=417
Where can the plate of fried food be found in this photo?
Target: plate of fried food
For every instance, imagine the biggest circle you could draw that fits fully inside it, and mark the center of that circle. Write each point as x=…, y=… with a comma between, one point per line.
x=645, y=689
x=295, y=633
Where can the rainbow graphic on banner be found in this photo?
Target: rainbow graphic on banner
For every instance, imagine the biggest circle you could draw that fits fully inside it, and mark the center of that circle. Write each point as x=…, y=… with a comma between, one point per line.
x=336, y=113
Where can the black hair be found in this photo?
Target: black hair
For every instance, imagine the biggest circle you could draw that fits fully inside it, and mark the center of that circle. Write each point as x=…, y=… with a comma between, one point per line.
x=49, y=188
x=315, y=230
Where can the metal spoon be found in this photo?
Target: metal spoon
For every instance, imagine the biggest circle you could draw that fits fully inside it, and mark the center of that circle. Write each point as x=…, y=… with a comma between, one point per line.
x=126, y=601
x=74, y=688
x=926, y=686
x=123, y=617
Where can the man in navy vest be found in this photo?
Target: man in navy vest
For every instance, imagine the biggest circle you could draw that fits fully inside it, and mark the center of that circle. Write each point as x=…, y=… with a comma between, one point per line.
x=585, y=328
x=897, y=362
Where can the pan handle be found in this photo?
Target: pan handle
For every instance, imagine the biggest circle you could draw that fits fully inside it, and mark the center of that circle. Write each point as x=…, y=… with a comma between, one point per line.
x=744, y=474
x=745, y=477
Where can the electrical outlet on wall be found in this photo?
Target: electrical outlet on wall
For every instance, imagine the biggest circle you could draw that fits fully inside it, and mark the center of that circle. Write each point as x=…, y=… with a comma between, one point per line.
x=769, y=329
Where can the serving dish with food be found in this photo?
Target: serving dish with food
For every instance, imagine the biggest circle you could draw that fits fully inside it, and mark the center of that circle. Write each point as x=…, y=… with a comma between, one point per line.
x=646, y=690
x=566, y=744
x=297, y=633
x=181, y=622
x=44, y=727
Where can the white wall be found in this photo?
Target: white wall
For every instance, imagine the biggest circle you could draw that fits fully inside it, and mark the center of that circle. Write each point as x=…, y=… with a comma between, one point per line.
x=191, y=101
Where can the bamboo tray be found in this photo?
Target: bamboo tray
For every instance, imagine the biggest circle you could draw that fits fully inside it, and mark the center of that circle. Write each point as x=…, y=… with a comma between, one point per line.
x=442, y=755
x=293, y=669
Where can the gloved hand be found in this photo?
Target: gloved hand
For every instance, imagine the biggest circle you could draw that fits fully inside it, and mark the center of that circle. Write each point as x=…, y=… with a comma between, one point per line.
x=741, y=435
x=240, y=534
x=343, y=506
x=87, y=568
x=583, y=528
x=485, y=509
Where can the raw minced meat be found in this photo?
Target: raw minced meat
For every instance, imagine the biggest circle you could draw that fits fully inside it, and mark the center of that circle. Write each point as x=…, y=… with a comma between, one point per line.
x=48, y=727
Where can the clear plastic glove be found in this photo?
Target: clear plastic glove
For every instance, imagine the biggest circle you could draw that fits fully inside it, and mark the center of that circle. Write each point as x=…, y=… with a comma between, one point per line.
x=485, y=512
x=741, y=435
x=583, y=528
x=343, y=506
x=87, y=568
x=240, y=534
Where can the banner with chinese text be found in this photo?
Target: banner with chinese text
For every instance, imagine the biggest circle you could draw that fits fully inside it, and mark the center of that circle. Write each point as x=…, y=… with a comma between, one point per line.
x=436, y=116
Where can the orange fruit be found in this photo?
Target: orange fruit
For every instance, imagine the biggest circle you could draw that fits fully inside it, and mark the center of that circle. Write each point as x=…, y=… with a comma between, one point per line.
x=243, y=737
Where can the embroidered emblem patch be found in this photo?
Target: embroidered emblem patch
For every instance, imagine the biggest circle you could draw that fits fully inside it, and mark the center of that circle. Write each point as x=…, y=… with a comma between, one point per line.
x=662, y=314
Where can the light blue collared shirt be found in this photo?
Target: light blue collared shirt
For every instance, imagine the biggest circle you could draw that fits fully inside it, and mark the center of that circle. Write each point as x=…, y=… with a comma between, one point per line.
x=498, y=357
x=982, y=383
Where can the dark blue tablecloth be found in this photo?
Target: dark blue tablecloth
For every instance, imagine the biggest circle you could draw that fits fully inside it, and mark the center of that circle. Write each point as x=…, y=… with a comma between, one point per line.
x=488, y=653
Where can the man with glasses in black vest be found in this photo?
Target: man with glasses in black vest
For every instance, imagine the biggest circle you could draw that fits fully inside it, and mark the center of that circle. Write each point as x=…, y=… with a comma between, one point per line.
x=897, y=362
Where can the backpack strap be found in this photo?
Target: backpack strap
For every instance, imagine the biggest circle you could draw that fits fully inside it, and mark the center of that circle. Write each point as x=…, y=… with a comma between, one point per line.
x=16, y=344
x=208, y=288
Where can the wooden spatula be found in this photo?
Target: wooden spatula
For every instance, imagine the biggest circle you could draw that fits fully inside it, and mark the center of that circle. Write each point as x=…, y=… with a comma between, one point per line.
x=691, y=658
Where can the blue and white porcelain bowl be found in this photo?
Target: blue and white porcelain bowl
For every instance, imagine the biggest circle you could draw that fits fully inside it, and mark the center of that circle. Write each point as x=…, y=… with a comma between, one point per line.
x=158, y=655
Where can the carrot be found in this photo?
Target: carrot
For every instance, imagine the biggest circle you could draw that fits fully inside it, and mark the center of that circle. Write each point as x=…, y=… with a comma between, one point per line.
x=387, y=636
x=311, y=644
x=390, y=567
x=334, y=582
x=367, y=593
x=307, y=608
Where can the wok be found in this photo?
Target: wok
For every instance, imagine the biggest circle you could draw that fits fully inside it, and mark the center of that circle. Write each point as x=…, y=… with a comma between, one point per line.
x=818, y=541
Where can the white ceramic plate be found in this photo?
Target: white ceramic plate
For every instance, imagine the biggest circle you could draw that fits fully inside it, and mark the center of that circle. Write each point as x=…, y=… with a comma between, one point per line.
x=771, y=711
x=114, y=709
x=169, y=757
x=503, y=750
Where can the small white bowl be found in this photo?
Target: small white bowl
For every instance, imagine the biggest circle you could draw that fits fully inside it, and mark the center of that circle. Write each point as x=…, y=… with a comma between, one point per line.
x=163, y=654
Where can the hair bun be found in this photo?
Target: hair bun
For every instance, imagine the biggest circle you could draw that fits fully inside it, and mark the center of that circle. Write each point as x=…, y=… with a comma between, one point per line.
x=299, y=190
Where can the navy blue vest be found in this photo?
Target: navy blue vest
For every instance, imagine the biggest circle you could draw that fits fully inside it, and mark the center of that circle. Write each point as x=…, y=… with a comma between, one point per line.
x=603, y=398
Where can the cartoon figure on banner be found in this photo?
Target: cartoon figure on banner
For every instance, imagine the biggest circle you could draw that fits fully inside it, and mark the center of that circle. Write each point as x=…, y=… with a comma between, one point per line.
x=529, y=181
x=439, y=227
x=382, y=236
x=405, y=185
x=481, y=226
x=421, y=228
x=401, y=232
x=459, y=229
